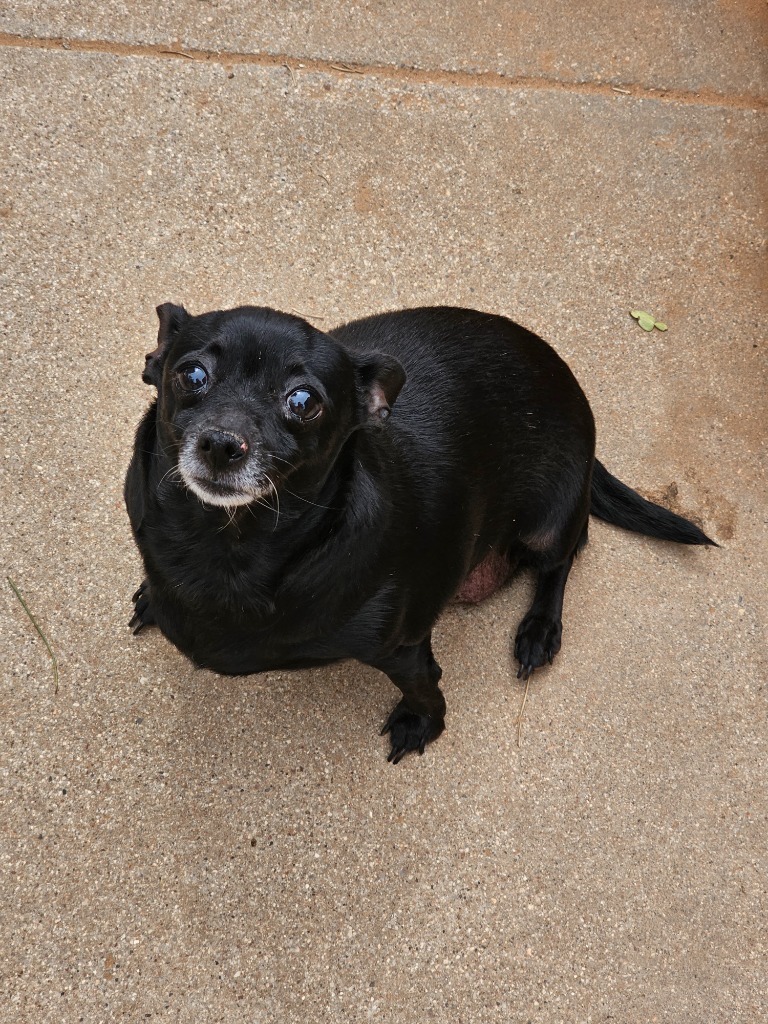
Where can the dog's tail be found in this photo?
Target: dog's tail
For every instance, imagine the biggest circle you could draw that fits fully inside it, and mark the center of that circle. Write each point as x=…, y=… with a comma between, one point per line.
x=616, y=503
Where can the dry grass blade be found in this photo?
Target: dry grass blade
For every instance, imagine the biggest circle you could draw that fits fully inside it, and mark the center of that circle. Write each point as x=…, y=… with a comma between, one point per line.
x=291, y=72
x=522, y=709
x=307, y=316
x=43, y=637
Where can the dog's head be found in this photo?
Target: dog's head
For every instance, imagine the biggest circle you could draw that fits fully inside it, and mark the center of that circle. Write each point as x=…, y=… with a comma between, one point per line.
x=249, y=399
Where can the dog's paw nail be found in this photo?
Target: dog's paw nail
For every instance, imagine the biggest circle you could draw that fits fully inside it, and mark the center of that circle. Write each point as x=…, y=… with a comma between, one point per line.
x=411, y=732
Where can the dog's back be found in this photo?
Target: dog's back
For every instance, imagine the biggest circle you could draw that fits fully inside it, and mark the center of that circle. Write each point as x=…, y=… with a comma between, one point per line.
x=491, y=424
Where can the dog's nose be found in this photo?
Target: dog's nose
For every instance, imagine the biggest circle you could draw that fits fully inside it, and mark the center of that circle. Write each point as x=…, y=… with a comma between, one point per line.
x=220, y=449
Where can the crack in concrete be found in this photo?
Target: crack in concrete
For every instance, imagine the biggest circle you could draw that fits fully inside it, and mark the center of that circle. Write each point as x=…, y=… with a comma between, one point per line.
x=621, y=90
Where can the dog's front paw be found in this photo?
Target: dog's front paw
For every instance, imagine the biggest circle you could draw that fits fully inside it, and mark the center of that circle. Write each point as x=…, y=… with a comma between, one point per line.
x=409, y=731
x=537, y=642
x=142, y=609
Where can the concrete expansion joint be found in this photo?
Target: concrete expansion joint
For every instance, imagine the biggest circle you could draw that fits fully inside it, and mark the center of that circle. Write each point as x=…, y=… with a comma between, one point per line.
x=621, y=90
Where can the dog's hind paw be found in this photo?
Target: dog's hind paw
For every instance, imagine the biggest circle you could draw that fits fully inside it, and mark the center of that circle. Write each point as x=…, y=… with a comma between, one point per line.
x=537, y=642
x=409, y=731
x=142, y=609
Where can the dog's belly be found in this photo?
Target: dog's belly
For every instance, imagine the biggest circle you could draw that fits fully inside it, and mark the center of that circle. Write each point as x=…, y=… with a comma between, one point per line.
x=485, y=579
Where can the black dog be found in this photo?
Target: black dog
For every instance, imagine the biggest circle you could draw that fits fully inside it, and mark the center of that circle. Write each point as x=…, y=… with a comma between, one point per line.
x=301, y=497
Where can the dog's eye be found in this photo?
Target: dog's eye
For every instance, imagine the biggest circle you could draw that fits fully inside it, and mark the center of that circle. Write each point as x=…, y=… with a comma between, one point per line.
x=304, y=404
x=192, y=378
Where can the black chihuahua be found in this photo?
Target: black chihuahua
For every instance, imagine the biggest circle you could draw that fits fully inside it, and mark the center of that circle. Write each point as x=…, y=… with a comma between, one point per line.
x=301, y=497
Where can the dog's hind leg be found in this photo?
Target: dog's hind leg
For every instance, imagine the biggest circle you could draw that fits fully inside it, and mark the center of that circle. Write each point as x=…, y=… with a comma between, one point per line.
x=419, y=718
x=539, y=634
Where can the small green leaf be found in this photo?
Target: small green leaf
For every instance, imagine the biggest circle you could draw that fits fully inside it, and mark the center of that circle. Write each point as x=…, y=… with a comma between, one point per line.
x=646, y=321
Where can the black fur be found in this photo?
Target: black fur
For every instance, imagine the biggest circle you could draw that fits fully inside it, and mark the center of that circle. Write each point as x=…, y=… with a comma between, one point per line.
x=286, y=519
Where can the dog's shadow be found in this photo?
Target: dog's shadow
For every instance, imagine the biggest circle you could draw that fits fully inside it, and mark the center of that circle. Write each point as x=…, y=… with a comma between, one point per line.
x=285, y=717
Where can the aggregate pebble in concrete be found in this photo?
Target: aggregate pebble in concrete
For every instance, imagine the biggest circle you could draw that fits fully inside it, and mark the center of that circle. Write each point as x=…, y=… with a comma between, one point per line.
x=184, y=847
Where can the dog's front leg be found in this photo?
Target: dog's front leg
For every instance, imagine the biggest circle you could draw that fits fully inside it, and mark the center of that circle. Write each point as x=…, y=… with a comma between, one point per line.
x=143, y=615
x=419, y=718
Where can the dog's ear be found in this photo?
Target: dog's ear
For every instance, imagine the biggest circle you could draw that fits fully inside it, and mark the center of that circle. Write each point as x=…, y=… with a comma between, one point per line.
x=380, y=378
x=172, y=318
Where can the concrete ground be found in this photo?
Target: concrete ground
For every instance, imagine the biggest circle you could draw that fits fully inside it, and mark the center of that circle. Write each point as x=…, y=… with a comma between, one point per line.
x=178, y=846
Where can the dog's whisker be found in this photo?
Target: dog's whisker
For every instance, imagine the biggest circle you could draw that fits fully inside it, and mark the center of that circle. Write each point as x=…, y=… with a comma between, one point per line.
x=230, y=516
x=173, y=473
x=279, y=458
x=328, y=508
x=277, y=498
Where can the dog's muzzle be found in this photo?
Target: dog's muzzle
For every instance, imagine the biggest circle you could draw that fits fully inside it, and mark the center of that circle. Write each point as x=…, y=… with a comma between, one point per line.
x=219, y=467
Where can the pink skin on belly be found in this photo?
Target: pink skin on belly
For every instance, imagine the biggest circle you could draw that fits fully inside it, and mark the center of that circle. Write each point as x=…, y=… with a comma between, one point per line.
x=485, y=579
